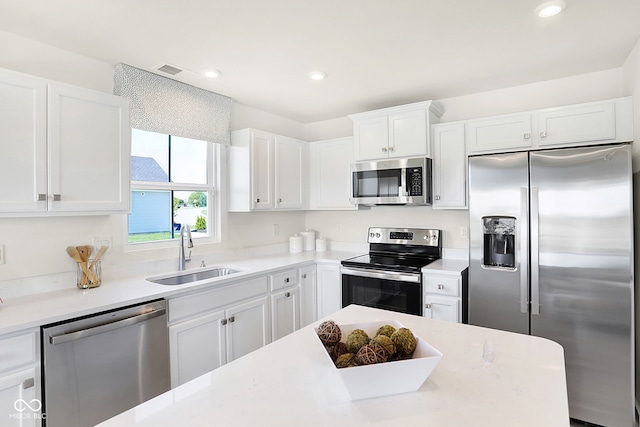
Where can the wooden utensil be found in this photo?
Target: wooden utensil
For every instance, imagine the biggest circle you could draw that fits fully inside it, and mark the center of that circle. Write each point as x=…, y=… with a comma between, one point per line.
x=77, y=256
x=101, y=252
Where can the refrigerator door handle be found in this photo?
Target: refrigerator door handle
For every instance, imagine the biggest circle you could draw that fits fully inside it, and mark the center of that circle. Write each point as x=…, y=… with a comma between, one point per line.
x=535, y=262
x=524, y=250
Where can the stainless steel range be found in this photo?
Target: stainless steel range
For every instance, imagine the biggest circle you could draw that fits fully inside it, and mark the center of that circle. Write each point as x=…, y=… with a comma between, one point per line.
x=390, y=275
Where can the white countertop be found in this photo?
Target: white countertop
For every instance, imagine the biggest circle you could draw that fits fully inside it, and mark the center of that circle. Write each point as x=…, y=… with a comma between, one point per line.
x=485, y=378
x=31, y=311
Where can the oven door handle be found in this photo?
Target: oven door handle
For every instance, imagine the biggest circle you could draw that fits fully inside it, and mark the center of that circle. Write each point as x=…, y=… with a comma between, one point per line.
x=377, y=274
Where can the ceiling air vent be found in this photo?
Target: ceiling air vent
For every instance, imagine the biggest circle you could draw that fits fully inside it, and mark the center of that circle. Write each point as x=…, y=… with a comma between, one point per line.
x=169, y=69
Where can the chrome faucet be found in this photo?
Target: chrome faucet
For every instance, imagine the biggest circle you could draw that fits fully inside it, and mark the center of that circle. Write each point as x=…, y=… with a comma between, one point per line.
x=183, y=260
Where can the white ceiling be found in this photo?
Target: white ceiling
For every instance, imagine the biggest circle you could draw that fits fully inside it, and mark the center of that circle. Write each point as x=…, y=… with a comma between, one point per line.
x=377, y=53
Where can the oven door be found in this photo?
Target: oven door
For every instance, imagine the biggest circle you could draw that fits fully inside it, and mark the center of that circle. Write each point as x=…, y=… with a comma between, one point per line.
x=387, y=290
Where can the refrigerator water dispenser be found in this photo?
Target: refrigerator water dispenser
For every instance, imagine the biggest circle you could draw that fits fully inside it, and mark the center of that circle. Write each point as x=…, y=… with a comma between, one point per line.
x=499, y=242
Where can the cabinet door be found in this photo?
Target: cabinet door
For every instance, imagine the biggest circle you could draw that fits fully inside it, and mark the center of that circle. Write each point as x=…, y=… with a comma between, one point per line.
x=247, y=327
x=197, y=346
x=570, y=125
x=262, y=170
x=89, y=147
x=329, y=289
x=308, y=304
x=449, y=166
x=285, y=312
x=290, y=173
x=23, y=163
x=20, y=403
x=371, y=138
x=502, y=133
x=408, y=134
x=442, y=308
x=331, y=175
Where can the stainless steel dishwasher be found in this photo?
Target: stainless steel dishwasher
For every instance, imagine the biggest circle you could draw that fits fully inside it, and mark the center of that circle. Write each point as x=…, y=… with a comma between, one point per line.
x=98, y=366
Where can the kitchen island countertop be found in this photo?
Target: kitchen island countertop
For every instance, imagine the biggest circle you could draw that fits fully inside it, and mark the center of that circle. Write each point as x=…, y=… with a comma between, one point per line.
x=485, y=378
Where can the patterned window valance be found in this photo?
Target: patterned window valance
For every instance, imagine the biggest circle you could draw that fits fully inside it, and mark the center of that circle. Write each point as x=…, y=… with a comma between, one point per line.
x=160, y=104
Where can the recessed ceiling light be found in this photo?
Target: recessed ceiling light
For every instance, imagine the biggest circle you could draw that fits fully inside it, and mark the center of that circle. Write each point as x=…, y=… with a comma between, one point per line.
x=212, y=74
x=317, y=75
x=550, y=8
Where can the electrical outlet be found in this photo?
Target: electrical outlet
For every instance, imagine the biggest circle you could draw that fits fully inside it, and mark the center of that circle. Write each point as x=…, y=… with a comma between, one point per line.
x=2, y=257
x=276, y=229
x=99, y=241
x=463, y=232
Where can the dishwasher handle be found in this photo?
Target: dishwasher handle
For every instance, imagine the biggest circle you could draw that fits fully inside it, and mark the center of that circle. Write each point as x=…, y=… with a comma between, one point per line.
x=106, y=327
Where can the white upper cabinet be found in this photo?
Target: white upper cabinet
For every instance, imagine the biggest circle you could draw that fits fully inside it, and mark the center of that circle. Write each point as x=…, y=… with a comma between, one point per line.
x=267, y=172
x=573, y=125
x=65, y=149
x=449, y=166
x=499, y=133
x=330, y=174
x=290, y=173
x=394, y=132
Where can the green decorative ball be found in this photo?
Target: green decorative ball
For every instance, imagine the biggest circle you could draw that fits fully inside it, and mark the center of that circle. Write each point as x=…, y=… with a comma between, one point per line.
x=356, y=339
x=385, y=342
x=346, y=360
x=387, y=330
x=404, y=340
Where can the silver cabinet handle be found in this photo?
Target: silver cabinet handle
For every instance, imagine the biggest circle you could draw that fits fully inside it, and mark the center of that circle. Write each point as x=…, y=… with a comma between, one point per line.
x=384, y=149
x=232, y=319
x=223, y=322
x=527, y=136
x=390, y=148
x=95, y=330
x=440, y=286
x=56, y=197
x=543, y=134
x=437, y=197
x=279, y=200
x=28, y=383
x=286, y=280
x=427, y=306
x=42, y=197
x=304, y=276
x=257, y=200
x=287, y=295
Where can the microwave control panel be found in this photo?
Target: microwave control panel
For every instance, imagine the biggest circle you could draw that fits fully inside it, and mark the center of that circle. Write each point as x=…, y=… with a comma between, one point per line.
x=414, y=181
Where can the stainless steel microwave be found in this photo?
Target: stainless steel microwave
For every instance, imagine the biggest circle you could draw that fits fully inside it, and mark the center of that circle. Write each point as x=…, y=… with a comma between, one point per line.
x=391, y=182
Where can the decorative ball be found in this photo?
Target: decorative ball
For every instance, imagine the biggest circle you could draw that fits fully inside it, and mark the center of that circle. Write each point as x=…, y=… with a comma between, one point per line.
x=346, y=360
x=404, y=340
x=356, y=339
x=385, y=342
x=337, y=350
x=386, y=330
x=329, y=332
x=370, y=354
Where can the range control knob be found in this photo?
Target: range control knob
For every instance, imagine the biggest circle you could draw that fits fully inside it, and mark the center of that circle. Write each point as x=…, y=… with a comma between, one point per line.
x=377, y=234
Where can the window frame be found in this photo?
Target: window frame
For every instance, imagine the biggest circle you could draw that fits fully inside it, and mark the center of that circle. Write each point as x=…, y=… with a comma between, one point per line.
x=213, y=204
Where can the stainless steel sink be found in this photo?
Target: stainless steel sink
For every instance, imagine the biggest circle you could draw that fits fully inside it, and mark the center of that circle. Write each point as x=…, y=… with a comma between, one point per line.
x=182, y=277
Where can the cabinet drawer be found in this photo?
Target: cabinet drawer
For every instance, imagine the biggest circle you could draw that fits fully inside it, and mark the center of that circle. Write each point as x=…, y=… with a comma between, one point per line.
x=17, y=351
x=182, y=308
x=442, y=285
x=283, y=280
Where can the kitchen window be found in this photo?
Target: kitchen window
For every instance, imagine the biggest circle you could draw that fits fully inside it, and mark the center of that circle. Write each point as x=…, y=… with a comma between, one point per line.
x=172, y=185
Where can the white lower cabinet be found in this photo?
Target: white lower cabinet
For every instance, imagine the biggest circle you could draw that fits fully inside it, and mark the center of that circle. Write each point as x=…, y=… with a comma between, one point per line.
x=285, y=309
x=444, y=293
x=307, y=293
x=329, y=289
x=20, y=393
x=214, y=327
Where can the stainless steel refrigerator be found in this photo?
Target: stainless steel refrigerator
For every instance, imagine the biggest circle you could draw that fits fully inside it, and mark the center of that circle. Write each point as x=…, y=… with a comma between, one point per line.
x=551, y=255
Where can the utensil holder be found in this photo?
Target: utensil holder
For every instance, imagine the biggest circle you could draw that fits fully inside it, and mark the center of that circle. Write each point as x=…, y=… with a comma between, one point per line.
x=89, y=274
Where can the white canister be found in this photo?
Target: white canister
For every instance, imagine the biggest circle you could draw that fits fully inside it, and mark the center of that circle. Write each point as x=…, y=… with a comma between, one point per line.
x=321, y=245
x=309, y=240
x=296, y=244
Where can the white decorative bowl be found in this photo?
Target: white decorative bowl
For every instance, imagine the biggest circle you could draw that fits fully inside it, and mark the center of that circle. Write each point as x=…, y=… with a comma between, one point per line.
x=383, y=379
